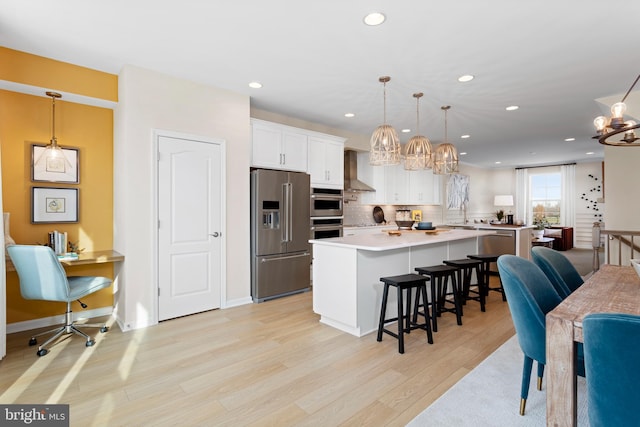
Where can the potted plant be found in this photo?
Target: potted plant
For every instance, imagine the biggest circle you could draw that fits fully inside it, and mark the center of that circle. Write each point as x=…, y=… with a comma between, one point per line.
x=539, y=224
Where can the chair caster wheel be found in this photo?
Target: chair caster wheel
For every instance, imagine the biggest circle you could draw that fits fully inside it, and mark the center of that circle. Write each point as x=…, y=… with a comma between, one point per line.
x=33, y=341
x=104, y=329
x=90, y=343
x=42, y=352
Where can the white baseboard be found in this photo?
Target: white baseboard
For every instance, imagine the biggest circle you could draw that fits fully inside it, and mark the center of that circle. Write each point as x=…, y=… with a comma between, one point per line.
x=56, y=320
x=237, y=302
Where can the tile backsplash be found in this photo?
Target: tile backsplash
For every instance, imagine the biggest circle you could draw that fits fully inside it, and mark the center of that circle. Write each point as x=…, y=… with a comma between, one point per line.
x=356, y=213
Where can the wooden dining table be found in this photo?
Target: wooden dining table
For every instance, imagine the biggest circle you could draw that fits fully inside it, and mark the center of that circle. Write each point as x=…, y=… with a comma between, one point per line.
x=612, y=289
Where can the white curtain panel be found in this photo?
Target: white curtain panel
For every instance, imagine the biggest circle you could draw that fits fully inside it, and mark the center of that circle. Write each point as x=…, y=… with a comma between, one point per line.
x=522, y=195
x=568, y=196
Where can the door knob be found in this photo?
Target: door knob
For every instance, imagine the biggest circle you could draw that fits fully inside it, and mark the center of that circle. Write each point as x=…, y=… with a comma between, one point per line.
x=215, y=234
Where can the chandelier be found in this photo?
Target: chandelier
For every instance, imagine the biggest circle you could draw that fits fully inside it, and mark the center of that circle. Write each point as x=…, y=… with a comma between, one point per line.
x=53, y=157
x=445, y=157
x=608, y=127
x=385, y=144
x=418, y=150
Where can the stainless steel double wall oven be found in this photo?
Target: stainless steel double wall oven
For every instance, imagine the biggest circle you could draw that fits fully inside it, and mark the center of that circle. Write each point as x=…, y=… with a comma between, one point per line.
x=326, y=213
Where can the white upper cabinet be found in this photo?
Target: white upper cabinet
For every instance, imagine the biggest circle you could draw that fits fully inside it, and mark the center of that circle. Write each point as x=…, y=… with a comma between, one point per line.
x=396, y=186
x=423, y=188
x=277, y=146
x=282, y=147
x=326, y=162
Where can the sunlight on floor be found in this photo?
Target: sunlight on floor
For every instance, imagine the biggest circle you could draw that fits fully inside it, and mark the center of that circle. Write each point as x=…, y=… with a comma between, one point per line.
x=77, y=367
x=29, y=376
x=129, y=356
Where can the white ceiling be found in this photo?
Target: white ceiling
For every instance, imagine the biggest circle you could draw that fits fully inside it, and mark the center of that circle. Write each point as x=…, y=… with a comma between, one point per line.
x=317, y=60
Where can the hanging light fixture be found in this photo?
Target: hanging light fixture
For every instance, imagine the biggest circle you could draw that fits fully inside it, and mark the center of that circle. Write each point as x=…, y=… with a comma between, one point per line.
x=445, y=157
x=608, y=127
x=53, y=157
x=418, y=150
x=385, y=144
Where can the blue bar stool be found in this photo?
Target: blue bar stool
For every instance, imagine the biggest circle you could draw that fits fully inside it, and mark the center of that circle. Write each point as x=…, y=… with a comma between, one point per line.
x=439, y=276
x=406, y=322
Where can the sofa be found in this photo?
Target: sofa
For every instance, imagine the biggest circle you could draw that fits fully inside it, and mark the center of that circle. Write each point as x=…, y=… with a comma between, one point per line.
x=562, y=237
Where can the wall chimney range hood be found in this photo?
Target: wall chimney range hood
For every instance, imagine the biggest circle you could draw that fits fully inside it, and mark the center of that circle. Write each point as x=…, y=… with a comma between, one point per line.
x=351, y=181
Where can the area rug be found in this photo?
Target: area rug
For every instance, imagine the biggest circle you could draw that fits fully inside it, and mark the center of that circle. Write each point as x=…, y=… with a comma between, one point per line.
x=490, y=396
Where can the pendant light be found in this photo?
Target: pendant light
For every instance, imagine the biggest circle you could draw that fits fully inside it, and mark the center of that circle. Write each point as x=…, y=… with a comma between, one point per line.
x=445, y=157
x=385, y=144
x=53, y=157
x=418, y=149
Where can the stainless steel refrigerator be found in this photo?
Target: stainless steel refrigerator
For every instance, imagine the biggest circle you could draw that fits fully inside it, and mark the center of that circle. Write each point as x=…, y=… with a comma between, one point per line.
x=280, y=255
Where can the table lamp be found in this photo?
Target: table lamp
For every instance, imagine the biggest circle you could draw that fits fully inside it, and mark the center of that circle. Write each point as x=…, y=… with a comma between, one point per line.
x=504, y=201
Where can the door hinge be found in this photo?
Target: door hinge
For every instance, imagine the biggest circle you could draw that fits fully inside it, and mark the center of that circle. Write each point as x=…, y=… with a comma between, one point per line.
x=158, y=291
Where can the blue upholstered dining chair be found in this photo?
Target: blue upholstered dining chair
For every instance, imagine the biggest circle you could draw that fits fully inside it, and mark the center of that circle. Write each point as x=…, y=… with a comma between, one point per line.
x=43, y=278
x=611, y=342
x=562, y=274
x=530, y=296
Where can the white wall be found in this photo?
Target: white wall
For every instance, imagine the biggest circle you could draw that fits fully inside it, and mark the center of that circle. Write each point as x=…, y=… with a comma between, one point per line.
x=148, y=101
x=586, y=213
x=484, y=184
x=621, y=195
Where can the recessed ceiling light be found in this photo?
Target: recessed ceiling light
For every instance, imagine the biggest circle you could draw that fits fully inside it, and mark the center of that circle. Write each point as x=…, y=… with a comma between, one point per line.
x=512, y=108
x=589, y=153
x=465, y=78
x=464, y=153
x=464, y=136
x=255, y=85
x=569, y=139
x=374, y=18
x=349, y=115
x=405, y=130
x=498, y=162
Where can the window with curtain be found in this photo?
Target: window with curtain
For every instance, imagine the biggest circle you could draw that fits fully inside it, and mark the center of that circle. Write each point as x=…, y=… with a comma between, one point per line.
x=545, y=191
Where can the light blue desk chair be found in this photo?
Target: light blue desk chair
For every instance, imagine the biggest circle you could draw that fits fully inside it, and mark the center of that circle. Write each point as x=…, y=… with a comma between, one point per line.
x=611, y=342
x=530, y=296
x=43, y=278
x=557, y=267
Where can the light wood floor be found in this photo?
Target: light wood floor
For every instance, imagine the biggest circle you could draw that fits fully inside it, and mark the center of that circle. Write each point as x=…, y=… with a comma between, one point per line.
x=261, y=364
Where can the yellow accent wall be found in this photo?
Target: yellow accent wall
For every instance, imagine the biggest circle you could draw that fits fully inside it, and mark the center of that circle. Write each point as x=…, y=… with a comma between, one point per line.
x=26, y=119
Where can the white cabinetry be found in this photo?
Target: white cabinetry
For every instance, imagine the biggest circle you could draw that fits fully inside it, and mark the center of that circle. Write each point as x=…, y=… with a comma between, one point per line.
x=277, y=146
x=326, y=162
x=395, y=185
x=424, y=188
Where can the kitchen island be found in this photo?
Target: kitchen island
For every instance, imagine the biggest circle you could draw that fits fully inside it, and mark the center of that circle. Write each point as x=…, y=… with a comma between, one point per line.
x=347, y=292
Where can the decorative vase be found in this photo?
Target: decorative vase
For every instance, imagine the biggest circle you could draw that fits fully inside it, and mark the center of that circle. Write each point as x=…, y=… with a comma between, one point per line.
x=7, y=237
x=538, y=234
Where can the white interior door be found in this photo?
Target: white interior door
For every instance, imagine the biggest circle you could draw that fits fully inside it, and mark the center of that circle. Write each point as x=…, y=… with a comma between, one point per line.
x=189, y=231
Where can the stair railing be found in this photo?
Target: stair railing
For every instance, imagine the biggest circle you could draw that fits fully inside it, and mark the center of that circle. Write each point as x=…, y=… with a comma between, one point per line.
x=620, y=245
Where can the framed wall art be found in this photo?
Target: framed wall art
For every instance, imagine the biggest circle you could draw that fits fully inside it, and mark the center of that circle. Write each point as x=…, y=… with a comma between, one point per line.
x=54, y=205
x=65, y=169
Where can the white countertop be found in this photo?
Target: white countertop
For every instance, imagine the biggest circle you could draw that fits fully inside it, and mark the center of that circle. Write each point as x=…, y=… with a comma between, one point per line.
x=492, y=226
x=383, y=241
x=369, y=227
